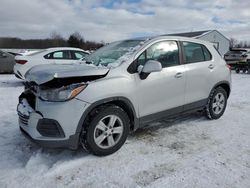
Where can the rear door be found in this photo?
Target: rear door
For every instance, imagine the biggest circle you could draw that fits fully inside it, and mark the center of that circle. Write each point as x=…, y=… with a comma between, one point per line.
x=199, y=70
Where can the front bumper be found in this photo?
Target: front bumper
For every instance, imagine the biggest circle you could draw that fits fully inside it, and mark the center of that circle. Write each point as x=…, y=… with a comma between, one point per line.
x=71, y=143
x=52, y=124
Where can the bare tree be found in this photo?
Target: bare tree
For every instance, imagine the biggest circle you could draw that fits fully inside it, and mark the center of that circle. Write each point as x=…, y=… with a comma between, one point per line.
x=57, y=39
x=55, y=35
x=233, y=42
x=76, y=40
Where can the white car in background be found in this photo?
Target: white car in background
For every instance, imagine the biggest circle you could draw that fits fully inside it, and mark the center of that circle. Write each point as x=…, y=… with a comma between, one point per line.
x=63, y=55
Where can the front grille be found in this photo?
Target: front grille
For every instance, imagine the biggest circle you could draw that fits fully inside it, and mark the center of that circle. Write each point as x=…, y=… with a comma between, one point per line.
x=23, y=119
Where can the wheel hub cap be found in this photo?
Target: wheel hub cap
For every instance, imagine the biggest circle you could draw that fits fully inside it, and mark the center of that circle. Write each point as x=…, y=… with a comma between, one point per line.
x=218, y=103
x=108, y=131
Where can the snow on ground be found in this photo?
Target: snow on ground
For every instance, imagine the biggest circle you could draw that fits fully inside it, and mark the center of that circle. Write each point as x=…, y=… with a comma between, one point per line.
x=189, y=152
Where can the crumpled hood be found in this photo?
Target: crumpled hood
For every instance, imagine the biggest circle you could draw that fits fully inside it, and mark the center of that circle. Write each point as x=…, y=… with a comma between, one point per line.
x=41, y=74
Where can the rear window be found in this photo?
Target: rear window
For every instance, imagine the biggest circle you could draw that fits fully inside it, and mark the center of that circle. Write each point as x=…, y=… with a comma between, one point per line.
x=36, y=52
x=78, y=54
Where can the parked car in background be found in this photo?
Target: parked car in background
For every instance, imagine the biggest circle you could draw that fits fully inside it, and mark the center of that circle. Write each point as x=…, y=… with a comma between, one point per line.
x=235, y=55
x=122, y=86
x=7, y=62
x=14, y=53
x=62, y=55
x=244, y=64
x=248, y=56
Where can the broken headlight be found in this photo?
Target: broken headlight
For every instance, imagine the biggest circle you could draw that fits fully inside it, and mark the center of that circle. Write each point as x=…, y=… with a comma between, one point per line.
x=61, y=94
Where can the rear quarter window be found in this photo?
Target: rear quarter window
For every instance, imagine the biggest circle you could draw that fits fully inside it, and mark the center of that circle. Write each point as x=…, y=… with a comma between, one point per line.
x=194, y=52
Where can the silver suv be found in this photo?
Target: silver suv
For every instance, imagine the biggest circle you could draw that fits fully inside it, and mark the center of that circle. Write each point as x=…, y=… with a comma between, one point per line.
x=119, y=88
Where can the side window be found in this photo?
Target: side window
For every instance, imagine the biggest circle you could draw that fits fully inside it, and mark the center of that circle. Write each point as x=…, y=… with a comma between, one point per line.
x=58, y=55
x=194, y=52
x=165, y=52
x=78, y=54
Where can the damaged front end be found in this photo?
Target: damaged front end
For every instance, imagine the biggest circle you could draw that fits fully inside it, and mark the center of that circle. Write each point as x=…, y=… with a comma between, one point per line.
x=43, y=116
x=57, y=83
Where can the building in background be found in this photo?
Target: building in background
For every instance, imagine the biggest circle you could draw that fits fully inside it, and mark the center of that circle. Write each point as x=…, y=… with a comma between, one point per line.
x=221, y=42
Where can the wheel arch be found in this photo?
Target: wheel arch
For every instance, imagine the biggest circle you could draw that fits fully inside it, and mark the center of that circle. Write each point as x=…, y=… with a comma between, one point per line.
x=122, y=102
x=225, y=85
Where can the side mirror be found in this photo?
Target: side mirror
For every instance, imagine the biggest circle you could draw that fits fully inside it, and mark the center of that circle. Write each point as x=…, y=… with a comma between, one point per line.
x=151, y=66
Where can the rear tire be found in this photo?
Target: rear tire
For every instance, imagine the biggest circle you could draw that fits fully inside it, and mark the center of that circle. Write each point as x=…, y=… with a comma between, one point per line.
x=105, y=130
x=217, y=103
x=237, y=70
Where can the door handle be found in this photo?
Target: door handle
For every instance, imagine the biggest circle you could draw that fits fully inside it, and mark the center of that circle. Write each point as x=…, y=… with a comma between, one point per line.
x=211, y=66
x=178, y=75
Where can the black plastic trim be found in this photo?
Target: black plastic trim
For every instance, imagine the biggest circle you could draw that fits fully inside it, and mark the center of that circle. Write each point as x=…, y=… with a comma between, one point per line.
x=50, y=128
x=107, y=100
x=159, y=115
x=220, y=83
x=195, y=106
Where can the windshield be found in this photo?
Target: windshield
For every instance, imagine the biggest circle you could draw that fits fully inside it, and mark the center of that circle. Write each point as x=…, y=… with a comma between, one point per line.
x=34, y=52
x=109, y=54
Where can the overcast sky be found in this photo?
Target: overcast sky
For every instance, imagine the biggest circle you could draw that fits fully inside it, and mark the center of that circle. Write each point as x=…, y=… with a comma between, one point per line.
x=110, y=20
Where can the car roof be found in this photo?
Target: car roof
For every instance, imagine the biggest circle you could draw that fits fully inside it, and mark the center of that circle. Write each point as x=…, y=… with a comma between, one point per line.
x=64, y=48
x=178, y=38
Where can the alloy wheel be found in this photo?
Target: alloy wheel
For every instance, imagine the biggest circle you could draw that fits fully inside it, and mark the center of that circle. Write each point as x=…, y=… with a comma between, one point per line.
x=108, y=131
x=218, y=103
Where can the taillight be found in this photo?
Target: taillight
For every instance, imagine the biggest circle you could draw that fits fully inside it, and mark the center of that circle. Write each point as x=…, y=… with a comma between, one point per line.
x=228, y=66
x=21, y=62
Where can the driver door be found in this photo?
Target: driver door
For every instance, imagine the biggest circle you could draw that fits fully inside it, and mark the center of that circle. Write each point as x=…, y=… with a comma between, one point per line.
x=161, y=93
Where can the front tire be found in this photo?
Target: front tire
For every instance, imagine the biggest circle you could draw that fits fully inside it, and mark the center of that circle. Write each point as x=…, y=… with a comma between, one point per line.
x=217, y=103
x=106, y=130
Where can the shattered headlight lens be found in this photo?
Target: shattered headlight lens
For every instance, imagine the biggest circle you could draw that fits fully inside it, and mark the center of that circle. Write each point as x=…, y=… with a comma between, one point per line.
x=61, y=94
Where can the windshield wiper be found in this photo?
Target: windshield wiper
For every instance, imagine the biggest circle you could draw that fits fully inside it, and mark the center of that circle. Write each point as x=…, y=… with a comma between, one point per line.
x=89, y=62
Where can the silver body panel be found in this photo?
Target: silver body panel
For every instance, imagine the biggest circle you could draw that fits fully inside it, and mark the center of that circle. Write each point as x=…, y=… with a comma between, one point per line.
x=170, y=88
